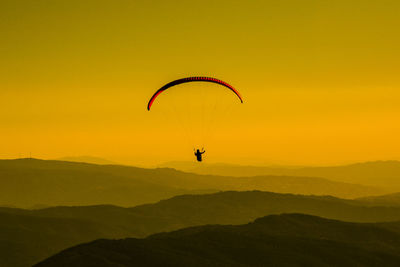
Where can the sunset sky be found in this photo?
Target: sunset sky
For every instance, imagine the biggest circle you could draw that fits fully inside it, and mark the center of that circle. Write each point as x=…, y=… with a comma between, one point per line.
x=320, y=79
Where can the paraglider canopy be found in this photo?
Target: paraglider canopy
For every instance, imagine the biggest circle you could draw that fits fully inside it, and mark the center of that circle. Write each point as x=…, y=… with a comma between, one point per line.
x=192, y=79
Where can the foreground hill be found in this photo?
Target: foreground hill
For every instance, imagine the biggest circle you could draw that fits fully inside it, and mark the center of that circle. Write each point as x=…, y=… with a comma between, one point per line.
x=25, y=239
x=283, y=240
x=31, y=182
x=28, y=236
x=378, y=173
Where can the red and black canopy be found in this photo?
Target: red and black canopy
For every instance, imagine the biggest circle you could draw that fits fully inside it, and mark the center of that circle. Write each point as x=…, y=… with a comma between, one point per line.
x=192, y=79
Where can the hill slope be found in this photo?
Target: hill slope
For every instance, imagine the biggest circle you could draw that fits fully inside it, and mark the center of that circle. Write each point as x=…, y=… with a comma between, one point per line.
x=88, y=159
x=285, y=240
x=25, y=239
x=29, y=182
x=27, y=236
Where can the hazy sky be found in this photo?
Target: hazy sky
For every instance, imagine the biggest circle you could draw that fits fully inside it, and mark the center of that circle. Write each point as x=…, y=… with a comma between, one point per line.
x=320, y=79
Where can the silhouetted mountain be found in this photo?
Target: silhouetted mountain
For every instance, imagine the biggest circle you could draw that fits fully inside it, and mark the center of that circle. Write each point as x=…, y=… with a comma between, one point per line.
x=378, y=173
x=28, y=236
x=30, y=182
x=284, y=240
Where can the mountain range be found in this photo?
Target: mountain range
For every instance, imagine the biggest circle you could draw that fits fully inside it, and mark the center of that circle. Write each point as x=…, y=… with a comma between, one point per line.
x=31, y=182
x=375, y=173
x=28, y=236
x=71, y=203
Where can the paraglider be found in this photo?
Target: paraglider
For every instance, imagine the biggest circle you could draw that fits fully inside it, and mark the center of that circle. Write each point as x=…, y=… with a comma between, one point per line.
x=199, y=154
x=167, y=86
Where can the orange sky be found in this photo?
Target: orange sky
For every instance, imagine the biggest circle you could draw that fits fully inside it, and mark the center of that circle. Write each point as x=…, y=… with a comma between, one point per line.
x=320, y=79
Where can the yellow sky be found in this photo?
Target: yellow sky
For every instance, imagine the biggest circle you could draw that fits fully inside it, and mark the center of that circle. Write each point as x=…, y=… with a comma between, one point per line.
x=320, y=79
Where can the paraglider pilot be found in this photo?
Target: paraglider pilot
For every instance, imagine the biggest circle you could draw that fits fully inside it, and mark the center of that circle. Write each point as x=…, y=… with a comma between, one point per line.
x=198, y=154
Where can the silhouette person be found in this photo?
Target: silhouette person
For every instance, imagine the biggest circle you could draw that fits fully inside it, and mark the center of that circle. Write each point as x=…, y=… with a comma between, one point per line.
x=198, y=154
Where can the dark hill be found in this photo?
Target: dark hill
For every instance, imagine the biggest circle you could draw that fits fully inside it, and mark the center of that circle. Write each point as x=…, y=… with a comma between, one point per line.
x=24, y=239
x=28, y=236
x=285, y=240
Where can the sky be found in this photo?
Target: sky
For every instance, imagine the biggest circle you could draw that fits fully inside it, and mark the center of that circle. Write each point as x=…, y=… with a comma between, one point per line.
x=320, y=79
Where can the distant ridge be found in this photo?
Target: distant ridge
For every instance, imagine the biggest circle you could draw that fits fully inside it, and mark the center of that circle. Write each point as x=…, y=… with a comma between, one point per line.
x=374, y=173
x=88, y=159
